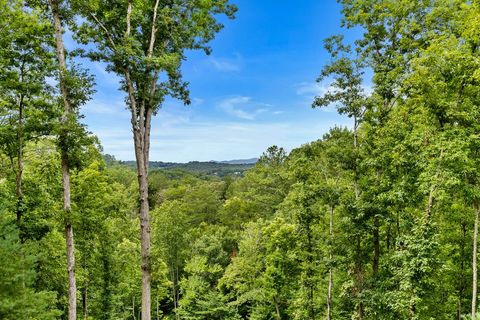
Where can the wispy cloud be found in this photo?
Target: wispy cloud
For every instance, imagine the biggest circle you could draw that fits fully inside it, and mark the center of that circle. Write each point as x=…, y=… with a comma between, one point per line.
x=102, y=107
x=197, y=101
x=310, y=89
x=103, y=77
x=242, y=107
x=230, y=140
x=317, y=89
x=226, y=64
x=307, y=91
x=177, y=135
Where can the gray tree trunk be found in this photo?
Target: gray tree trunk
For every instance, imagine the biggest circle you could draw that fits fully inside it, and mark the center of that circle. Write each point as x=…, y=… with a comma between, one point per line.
x=358, y=269
x=330, y=271
x=19, y=171
x=141, y=136
x=60, y=52
x=277, y=308
x=474, y=263
x=376, y=244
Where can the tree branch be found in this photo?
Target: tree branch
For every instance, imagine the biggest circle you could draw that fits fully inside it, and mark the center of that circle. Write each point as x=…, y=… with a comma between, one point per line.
x=129, y=14
x=131, y=96
x=153, y=31
x=110, y=39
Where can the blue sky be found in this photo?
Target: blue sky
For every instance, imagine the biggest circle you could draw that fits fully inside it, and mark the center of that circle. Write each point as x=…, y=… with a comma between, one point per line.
x=255, y=89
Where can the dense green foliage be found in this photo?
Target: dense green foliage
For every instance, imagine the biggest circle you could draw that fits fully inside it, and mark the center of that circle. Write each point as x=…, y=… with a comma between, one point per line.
x=379, y=221
x=220, y=169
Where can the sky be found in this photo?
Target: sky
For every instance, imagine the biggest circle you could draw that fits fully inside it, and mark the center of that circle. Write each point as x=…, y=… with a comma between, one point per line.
x=255, y=89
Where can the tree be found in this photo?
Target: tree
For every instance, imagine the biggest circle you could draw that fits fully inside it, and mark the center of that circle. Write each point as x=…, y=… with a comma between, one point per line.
x=144, y=44
x=259, y=192
x=170, y=231
x=348, y=94
x=201, y=298
x=18, y=300
x=75, y=89
x=25, y=92
x=27, y=102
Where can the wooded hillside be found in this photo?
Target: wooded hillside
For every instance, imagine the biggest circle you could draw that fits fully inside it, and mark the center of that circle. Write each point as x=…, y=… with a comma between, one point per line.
x=374, y=221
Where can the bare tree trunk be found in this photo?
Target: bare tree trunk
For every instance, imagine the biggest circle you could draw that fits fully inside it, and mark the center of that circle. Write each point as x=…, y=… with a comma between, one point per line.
x=474, y=263
x=277, y=308
x=145, y=230
x=19, y=168
x=19, y=178
x=359, y=278
x=144, y=223
x=358, y=270
x=174, y=293
x=174, y=274
x=308, y=281
x=329, y=297
x=140, y=132
x=19, y=171
x=330, y=272
x=85, y=301
x=72, y=286
x=177, y=281
x=461, y=291
x=133, y=308
x=376, y=233
x=459, y=310
x=145, y=245
x=140, y=120
x=376, y=245
x=60, y=52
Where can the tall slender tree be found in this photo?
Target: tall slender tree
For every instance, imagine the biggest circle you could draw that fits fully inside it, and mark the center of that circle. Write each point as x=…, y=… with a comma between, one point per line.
x=67, y=111
x=144, y=43
x=26, y=106
x=348, y=94
x=75, y=88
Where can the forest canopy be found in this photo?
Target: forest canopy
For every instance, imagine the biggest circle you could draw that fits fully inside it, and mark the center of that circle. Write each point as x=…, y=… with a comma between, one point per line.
x=377, y=220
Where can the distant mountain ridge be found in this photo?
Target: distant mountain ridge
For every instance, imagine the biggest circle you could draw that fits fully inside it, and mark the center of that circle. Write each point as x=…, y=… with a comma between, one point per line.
x=240, y=161
x=217, y=168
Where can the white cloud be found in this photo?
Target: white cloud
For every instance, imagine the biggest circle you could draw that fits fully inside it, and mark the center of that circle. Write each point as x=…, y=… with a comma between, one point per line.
x=229, y=140
x=231, y=106
x=103, y=77
x=175, y=137
x=182, y=134
x=101, y=68
x=317, y=89
x=197, y=101
x=226, y=64
x=309, y=89
x=101, y=107
x=243, y=107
